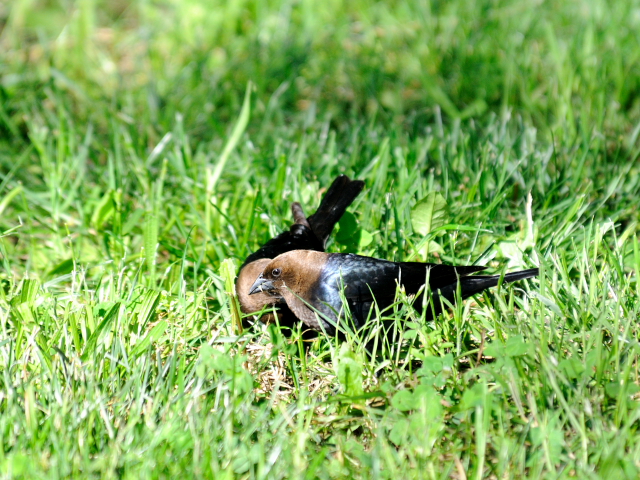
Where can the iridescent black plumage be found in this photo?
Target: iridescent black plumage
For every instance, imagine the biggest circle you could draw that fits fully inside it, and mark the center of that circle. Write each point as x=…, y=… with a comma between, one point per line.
x=314, y=283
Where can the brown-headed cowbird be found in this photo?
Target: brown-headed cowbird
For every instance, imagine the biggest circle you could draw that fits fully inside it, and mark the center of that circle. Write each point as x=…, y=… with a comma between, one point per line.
x=311, y=283
x=306, y=233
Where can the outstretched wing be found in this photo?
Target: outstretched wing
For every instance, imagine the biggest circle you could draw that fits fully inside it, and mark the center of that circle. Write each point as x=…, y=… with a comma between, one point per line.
x=298, y=237
x=339, y=196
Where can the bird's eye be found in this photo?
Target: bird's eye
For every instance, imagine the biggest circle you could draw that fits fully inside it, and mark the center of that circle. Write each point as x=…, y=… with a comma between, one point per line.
x=276, y=272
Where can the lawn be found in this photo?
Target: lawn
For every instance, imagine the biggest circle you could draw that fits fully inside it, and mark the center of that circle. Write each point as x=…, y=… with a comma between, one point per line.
x=147, y=147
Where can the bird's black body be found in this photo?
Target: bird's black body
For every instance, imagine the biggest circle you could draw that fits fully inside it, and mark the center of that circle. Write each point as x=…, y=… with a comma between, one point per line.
x=314, y=283
x=365, y=279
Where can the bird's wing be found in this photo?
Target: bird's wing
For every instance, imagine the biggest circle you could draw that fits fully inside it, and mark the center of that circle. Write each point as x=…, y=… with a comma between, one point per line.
x=312, y=233
x=339, y=196
x=365, y=277
x=298, y=237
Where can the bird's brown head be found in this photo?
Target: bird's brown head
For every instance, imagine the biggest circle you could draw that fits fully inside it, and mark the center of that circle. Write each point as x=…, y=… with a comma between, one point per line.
x=247, y=277
x=271, y=280
x=296, y=271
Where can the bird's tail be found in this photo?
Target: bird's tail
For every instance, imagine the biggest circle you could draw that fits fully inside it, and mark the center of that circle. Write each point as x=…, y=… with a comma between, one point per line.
x=477, y=283
x=521, y=275
x=339, y=196
x=473, y=284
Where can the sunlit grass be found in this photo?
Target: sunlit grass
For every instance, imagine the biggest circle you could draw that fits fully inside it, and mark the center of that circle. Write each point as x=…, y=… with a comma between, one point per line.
x=119, y=202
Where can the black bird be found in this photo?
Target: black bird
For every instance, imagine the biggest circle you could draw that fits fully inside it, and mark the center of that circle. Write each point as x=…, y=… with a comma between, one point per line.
x=311, y=283
x=306, y=233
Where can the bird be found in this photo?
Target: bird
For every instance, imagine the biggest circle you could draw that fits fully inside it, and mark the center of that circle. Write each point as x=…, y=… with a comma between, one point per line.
x=305, y=233
x=312, y=283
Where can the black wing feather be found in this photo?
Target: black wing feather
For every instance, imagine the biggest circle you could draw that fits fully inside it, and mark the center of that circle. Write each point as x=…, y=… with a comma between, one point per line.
x=335, y=202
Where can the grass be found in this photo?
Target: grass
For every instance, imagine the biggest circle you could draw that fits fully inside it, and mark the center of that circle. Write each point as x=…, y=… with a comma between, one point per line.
x=134, y=166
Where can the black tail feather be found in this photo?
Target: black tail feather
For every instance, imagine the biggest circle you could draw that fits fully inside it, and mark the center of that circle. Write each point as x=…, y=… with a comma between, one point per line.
x=521, y=275
x=474, y=284
x=477, y=283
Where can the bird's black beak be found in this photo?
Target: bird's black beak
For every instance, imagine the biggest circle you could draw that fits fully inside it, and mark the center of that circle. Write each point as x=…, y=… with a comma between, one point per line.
x=261, y=285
